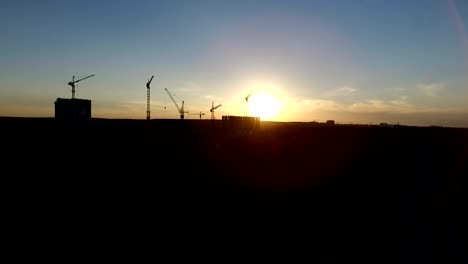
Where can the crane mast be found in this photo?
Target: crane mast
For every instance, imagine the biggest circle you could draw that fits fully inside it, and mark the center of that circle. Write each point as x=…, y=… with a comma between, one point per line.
x=212, y=109
x=148, y=98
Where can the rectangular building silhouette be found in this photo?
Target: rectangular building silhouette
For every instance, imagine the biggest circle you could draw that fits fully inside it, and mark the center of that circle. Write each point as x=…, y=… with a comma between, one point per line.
x=72, y=109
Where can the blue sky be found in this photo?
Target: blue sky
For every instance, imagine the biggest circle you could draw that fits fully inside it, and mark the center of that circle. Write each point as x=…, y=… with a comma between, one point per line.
x=351, y=61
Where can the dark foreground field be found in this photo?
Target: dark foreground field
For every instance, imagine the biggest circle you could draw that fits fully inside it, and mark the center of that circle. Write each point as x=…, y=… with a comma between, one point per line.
x=333, y=194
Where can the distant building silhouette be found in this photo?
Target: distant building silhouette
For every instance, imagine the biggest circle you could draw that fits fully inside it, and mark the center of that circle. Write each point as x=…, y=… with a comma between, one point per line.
x=240, y=122
x=330, y=122
x=72, y=109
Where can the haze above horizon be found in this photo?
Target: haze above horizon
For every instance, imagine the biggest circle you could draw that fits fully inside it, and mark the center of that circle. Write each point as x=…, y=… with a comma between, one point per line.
x=351, y=61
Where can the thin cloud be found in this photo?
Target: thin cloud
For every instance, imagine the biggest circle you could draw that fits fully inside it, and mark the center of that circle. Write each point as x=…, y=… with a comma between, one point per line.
x=342, y=91
x=402, y=101
x=314, y=104
x=431, y=89
x=399, y=105
x=346, y=90
x=189, y=87
x=376, y=105
x=212, y=97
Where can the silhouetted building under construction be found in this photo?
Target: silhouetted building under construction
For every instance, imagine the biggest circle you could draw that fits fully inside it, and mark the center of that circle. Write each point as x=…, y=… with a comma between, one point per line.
x=240, y=122
x=72, y=109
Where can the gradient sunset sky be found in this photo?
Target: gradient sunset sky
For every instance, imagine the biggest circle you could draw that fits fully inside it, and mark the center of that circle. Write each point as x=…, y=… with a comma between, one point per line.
x=352, y=61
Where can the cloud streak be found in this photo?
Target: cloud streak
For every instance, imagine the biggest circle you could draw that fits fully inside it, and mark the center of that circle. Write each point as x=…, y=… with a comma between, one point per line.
x=399, y=105
x=342, y=91
x=431, y=89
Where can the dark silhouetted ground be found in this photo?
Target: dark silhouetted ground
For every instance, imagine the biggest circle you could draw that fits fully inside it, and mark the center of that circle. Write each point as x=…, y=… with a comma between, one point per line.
x=335, y=194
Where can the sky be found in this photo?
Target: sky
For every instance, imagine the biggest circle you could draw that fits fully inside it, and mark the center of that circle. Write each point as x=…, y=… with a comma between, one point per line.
x=360, y=62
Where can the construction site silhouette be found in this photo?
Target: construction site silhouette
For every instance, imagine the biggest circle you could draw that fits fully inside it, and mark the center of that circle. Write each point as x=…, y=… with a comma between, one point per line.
x=370, y=193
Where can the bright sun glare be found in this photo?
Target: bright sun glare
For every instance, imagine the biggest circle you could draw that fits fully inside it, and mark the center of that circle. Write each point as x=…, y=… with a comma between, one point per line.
x=264, y=105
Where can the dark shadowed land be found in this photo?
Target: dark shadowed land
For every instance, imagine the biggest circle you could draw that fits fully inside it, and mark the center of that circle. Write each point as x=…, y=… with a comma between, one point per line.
x=334, y=193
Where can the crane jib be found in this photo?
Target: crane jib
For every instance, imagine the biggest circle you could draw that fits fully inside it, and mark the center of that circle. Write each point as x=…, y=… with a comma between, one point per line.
x=84, y=78
x=175, y=103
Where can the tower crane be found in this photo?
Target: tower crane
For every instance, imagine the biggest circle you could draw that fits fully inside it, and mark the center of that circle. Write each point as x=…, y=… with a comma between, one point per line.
x=148, y=98
x=179, y=109
x=247, y=100
x=212, y=110
x=72, y=83
x=200, y=114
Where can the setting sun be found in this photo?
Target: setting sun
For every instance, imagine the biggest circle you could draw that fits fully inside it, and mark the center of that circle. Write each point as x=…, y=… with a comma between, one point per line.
x=264, y=105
